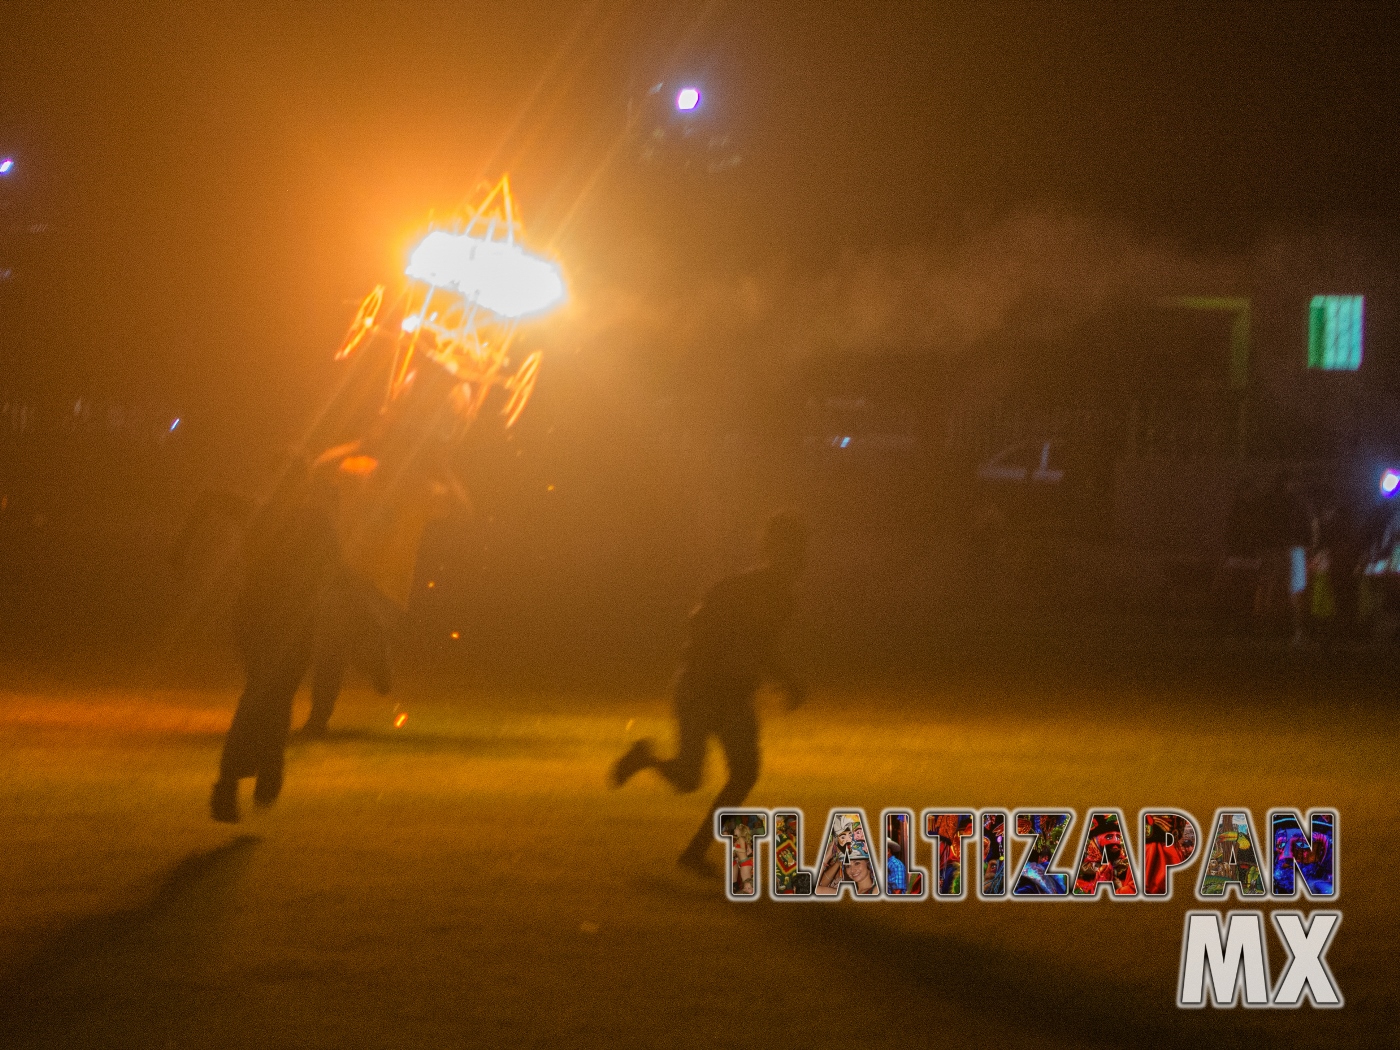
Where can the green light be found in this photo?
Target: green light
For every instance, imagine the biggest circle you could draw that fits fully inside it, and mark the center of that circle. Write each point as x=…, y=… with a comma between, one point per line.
x=1334, y=332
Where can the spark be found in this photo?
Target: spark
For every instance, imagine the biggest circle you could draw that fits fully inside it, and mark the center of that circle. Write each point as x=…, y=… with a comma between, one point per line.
x=398, y=722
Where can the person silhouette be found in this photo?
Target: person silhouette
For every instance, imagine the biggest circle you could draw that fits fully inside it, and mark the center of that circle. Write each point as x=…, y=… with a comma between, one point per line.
x=293, y=554
x=390, y=486
x=732, y=651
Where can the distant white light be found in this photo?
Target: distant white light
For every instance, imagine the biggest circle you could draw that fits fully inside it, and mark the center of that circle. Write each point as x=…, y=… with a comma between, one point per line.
x=6, y=165
x=687, y=100
x=845, y=442
x=174, y=423
x=503, y=278
x=1390, y=481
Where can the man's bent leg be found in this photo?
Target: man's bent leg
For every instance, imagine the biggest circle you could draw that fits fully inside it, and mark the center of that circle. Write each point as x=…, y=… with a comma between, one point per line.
x=738, y=733
x=326, y=678
x=334, y=628
x=240, y=754
x=241, y=746
x=694, y=721
x=276, y=720
x=239, y=758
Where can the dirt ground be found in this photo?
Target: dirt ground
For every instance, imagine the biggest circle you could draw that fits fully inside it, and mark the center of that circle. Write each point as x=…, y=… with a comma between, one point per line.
x=469, y=880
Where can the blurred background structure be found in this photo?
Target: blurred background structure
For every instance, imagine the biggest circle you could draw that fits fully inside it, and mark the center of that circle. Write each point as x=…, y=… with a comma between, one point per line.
x=1014, y=321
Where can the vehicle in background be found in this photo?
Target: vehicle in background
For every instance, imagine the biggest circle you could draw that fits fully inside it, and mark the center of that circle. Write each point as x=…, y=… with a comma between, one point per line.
x=1046, y=483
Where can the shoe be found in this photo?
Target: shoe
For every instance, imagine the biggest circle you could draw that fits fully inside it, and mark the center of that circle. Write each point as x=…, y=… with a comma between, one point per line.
x=699, y=864
x=223, y=801
x=638, y=757
x=267, y=787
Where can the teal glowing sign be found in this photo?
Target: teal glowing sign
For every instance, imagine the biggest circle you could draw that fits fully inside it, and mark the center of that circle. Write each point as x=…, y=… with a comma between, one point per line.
x=1334, y=332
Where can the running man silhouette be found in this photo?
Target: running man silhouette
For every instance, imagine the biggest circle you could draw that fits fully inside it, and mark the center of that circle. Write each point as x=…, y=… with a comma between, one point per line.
x=292, y=557
x=732, y=651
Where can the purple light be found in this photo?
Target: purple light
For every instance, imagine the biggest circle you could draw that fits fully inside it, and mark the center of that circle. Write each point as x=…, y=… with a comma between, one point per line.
x=688, y=99
x=6, y=165
x=1390, y=481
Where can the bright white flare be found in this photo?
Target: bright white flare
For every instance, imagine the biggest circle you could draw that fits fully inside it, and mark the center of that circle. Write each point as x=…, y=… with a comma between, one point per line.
x=501, y=277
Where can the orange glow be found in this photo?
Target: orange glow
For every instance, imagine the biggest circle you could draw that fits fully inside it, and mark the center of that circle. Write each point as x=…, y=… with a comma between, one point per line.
x=470, y=282
x=358, y=466
x=456, y=635
x=398, y=722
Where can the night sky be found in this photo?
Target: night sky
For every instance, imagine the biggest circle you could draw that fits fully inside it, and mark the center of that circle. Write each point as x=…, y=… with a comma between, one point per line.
x=222, y=182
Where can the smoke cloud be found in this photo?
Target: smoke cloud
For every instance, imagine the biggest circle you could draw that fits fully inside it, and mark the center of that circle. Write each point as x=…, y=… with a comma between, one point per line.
x=1030, y=278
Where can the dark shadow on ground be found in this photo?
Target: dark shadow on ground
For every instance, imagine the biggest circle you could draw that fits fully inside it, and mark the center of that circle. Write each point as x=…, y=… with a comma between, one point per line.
x=42, y=992
x=1049, y=999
